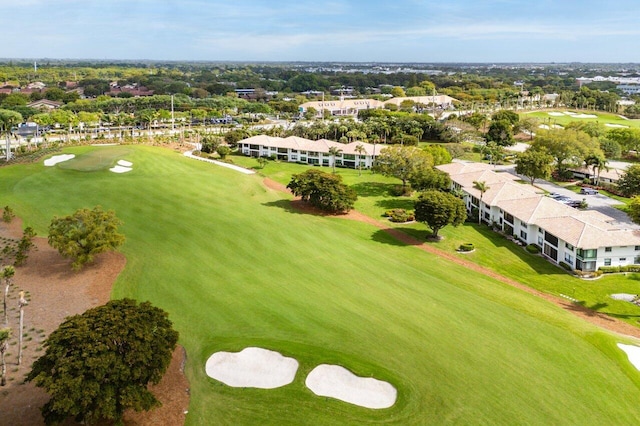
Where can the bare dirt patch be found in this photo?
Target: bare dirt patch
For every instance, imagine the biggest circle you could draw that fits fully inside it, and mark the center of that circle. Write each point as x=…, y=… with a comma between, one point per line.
x=55, y=292
x=597, y=318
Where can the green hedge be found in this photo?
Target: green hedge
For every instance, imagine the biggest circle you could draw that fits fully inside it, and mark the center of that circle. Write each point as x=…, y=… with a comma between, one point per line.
x=399, y=215
x=533, y=249
x=466, y=247
x=566, y=266
x=614, y=269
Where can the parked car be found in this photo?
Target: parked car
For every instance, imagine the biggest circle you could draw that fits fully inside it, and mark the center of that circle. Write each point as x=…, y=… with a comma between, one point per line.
x=588, y=191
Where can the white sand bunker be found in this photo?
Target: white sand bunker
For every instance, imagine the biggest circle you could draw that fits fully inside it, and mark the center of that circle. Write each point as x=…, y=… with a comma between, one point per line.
x=584, y=116
x=556, y=114
x=338, y=382
x=58, y=159
x=624, y=296
x=252, y=368
x=120, y=169
x=616, y=125
x=122, y=166
x=633, y=352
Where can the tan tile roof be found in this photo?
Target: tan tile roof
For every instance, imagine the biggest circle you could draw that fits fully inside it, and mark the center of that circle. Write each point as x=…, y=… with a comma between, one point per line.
x=343, y=104
x=583, y=229
x=585, y=235
x=505, y=190
x=303, y=144
x=437, y=99
x=457, y=167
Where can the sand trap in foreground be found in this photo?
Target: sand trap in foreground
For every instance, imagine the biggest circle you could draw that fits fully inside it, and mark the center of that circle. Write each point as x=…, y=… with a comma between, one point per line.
x=252, y=368
x=58, y=159
x=120, y=169
x=338, y=382
x=633, y=352
x=125, y=163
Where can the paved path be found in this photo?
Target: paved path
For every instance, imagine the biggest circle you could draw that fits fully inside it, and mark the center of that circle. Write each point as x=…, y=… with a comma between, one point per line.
x=220, y=163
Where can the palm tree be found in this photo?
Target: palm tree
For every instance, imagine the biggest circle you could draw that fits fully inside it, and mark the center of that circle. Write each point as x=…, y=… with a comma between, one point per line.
x=597, y=163
x=5, y=333
x=333, y=152
x=8, y=119
x=21, y=304
x=482, y=187
x=7, y=273
x=360, y=150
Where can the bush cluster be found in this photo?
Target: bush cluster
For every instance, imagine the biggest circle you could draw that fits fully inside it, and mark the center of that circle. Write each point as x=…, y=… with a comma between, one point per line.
x=533, y=248
x=614, y=269
x=566, y=266
x=466, y=247
x=399, y=215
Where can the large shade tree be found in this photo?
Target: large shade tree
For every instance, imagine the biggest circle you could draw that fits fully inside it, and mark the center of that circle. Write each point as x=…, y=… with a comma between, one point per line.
x=629, y=183
x=438, y=209
x=566, y=146
x=534, y=164
x=98, y=364
x=84, y=234
x=325, y=191
x=403, y=162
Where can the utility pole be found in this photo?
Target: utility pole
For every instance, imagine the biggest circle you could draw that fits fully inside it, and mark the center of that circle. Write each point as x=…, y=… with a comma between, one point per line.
x=172, y=116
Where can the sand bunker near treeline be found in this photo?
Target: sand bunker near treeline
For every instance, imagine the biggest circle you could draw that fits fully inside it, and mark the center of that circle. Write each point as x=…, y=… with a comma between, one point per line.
x=58, y=159
x=337, y=382
x=252, y=368
x=122, y=166
x=633, y=353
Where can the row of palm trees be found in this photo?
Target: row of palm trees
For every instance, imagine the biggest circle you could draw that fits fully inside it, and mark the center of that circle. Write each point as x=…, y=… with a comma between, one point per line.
x=334, y=151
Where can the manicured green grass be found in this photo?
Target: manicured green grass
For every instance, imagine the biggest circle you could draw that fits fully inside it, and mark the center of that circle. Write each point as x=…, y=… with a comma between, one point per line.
x=236, y=267
x=492, y=250
x=96, y=158
x=563, y=120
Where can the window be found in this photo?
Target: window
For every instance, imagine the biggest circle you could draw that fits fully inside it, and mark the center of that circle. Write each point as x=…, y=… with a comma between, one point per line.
x=508, y=218
x=551, y=252
x=587, y=254
x=623, y=259
x=568, y=258
x=540, y=240
x=607, y=262
x=607, y=249
x=568, y=246
x=637, y=248
x=523, y=235
x=551, y=239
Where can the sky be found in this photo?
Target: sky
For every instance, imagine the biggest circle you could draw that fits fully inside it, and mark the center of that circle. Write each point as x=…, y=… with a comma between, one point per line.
x=317, y=30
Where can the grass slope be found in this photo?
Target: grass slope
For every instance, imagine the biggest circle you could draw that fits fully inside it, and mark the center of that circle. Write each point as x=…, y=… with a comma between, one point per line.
x=236, y=267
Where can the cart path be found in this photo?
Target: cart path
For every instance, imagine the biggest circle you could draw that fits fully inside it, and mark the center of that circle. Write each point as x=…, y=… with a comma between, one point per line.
x=597, y=318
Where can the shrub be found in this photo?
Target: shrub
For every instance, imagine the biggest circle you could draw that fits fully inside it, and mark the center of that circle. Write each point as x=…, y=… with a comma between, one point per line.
x=609, y=269
x=399, y=215
x=466, y=247
x=400, y=191
x=630, y=268
x=7, y=214
x=566, y=266
x=533, y=249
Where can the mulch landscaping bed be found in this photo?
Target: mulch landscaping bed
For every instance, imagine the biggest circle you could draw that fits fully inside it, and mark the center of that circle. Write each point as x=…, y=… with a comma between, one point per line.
x=55, y=292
